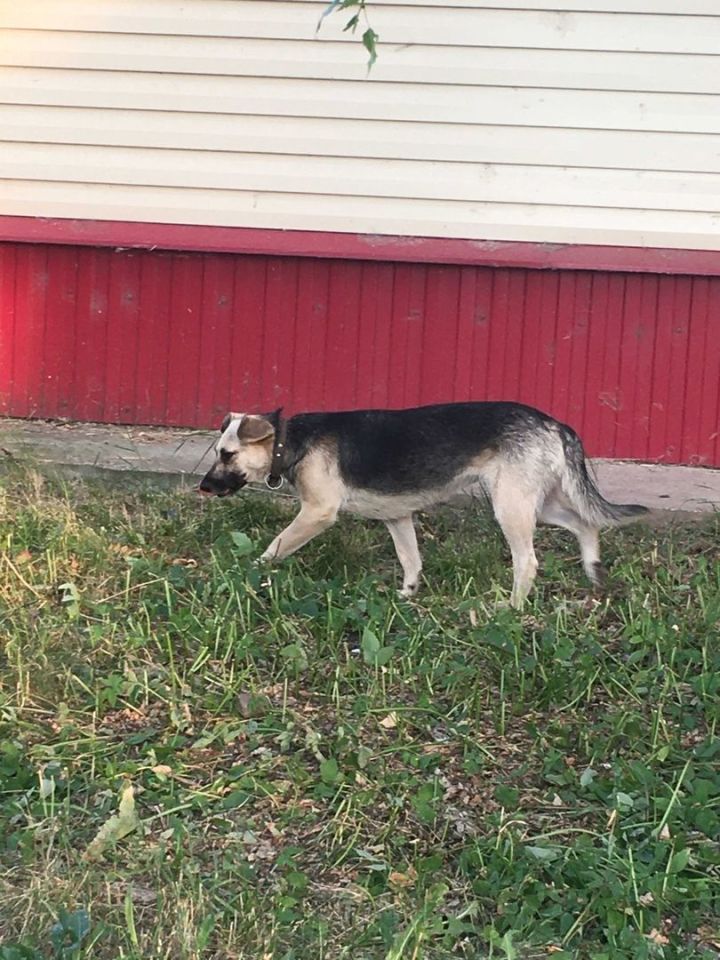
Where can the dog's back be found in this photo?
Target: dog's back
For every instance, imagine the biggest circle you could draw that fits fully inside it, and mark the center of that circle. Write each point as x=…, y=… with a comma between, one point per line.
x=422, y=448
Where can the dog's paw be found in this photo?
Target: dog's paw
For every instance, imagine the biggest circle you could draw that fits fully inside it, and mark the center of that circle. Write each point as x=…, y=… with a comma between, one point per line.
x=409, y=590
x=599, y=578
x=513, y=603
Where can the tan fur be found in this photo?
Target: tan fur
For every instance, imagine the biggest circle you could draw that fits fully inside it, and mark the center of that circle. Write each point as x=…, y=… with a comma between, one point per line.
x=320, y=489
x=404, y=538
x=255, y=429
x=249, y=439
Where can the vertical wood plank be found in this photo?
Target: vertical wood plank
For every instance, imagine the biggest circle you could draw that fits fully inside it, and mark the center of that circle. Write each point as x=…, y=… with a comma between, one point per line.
x=31, y=280
x=156, y=332
x=438, y=351
x=248, y=334
x=59, y=342
x=8, y=274
x=91, y=344
x=215, y=363
x=184, y=343
x=123, y=338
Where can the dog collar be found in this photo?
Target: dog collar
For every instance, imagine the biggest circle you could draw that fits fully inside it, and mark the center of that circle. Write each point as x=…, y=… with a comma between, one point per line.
x=274, y=479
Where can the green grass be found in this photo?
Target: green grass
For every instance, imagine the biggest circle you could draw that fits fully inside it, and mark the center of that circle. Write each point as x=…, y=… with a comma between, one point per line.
x=313, y=769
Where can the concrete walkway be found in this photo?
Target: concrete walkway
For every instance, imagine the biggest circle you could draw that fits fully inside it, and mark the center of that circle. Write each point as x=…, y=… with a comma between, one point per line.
x=186, y=454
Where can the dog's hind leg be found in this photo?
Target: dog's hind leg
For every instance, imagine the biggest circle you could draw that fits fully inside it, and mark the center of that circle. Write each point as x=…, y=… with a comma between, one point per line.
x=515, y=509
x=559, y=515
x=403, y=534
x=311, y=521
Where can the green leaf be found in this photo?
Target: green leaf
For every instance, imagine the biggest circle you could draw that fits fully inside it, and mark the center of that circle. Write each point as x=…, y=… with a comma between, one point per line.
x=383, y=655
x=19, y=951
x=704, y=790
x=387, y=924
x=203, y=933
x=294, y=653
x=587, y=776
x=236, y=798
x=507, y=796
x=370, y=39
x=679, y=860
x=297, y=880
x=69, y=931
x=544, y=853
x=423, y=805
x=242, y=543
x=329, y=770
x=287, y=855
x=372, y=652
x=507, y=944
x=370, y=645
x=337, y=5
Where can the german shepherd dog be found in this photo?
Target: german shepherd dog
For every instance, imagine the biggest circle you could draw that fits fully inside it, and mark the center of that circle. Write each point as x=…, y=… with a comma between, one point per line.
x=388, y=464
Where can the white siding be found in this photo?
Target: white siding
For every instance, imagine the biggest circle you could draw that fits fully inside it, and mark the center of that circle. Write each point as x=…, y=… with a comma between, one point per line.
x=592, y=122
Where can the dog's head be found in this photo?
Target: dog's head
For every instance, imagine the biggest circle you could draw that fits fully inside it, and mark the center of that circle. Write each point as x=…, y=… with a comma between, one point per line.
x=243, y=453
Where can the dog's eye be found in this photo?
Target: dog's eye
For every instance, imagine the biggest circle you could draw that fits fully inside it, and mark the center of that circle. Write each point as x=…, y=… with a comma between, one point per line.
x=226, y=455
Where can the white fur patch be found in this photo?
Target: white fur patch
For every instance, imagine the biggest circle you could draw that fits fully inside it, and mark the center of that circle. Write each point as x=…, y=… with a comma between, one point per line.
x=384, y=506
x=229, y=439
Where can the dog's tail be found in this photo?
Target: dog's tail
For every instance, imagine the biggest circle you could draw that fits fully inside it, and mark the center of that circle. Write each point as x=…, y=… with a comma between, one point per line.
x=578, y=487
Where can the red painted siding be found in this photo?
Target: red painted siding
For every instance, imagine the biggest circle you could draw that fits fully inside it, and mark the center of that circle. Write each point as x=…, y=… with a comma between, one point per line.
x=631, y=360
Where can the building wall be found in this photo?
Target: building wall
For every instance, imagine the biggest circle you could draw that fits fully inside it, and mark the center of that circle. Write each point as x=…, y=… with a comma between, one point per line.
x=632, y=361
x=494, y=121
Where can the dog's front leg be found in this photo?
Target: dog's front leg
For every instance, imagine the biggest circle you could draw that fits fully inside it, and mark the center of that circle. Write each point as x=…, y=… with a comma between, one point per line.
x=403, y=533
x=311, y=521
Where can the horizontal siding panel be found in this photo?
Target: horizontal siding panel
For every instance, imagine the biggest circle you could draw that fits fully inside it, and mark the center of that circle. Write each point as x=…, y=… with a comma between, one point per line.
x=318, y=59
x=596, y=122
x=318, y=136
x=689, y=7
x=338, y=137
x=377, y=101
x=550, y=29
x=406, y=179
x=417, y=217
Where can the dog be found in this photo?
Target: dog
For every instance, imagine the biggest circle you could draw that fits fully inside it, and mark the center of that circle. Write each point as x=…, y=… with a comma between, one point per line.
x=388, y=464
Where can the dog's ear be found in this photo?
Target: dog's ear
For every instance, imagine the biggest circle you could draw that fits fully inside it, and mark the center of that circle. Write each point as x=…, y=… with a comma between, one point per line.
x=255, y=429
x=229, y=417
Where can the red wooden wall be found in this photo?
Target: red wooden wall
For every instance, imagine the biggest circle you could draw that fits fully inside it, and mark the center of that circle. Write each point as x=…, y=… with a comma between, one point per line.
x=632, y=360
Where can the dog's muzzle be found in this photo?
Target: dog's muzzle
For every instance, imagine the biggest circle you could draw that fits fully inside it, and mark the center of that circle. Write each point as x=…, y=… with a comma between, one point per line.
x=216, y=487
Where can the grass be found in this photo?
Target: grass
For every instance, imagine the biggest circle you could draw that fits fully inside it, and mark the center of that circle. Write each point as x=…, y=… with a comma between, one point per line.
x=199, y=759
